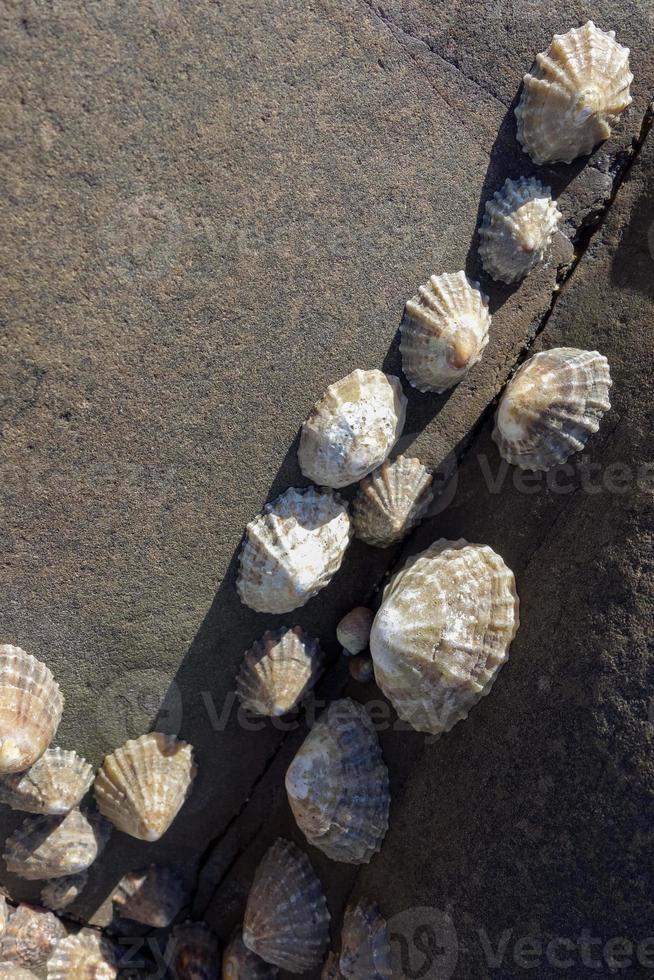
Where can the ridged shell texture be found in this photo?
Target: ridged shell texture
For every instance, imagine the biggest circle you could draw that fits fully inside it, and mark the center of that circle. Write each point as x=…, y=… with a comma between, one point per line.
x=278, y=670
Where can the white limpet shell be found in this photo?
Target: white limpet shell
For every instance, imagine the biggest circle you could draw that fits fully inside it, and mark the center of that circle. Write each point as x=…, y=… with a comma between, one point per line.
x=551, y=407
x=240, y=963
x=45, y=847
x=293, y=549
x=517, y=229
x=54, y=784
x=391, y=501
x=353, y=631
x=286, y=919
x=337, y=785
x=443, y=632
x=31, y=935
x=575, y=92
x=30, y=709
x=142, y=786
x=192, y=953
x=365, y=945
x=443, y=332
x=352, y=428
x=278, y=670
x=86, y=956
x=152, y=896
x=61, y=892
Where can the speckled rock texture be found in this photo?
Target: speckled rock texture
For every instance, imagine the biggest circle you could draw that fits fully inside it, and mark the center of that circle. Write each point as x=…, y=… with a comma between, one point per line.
x=212, y=211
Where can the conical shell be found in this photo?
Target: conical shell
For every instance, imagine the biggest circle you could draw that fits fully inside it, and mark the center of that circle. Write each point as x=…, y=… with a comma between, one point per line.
x=30, y=937
x=293, y=549
x=278, y=670
x=240, y=963
x=152, y=896
x=517, y=229
x=286, y=918
x=443, y=632
x=86, y=956
x=391, y=501
x=30, y=709
x=353, y=631
x=54, y=784
x=51, y=847
x=352, y=428
x=443, y=332
x=365, y=946
x=337, y=785
x=192, y=953
x=142, y=786
x=330, y=969
x=551, y=407
x=11, y=971
x=575, y=92
x=61, y=892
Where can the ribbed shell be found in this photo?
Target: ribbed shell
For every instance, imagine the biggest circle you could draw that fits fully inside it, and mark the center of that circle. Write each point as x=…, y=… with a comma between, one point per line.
x=443, y=632
x=391, y=501
x=54, y=784
x=551, y=407
x=30, y=709
x=286, y=918
x=52, y=847
x=142, y=786
x=575, y=92
x=152, y=896
x=365, y=946
x=352, y=428
x=240, y=963
x=30, y=937
x=11, y=971
x=278, y=670
x=293, y=549
x=353, y=631
x=86, y=956
x=443, y=332
x=61, y=892
x=517, y=229
x=192, y=953
x=337, y=785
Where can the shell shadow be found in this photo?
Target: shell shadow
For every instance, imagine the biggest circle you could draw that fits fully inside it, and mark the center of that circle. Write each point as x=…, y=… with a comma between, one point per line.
x=638, y=272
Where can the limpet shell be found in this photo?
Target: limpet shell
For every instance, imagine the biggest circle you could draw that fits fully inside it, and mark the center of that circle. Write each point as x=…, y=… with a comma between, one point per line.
x=443, y=332
x=54, y=784
x=86, y=956
x=152, y=896
x=293, y=549
x=192, y=953
x=61, y=892
x=353, y=631
x=278, y=670
x=240, y=963
x=52, y=847
x=551, y=407
x=30, y=936
x=443, y=632
x=337, y=785
x=352, y=428
x=30, y=709
x=142, y=785
x=575, y=92
x=286, y=919
x=392, y=501
x=517, y=229
x=365, y=946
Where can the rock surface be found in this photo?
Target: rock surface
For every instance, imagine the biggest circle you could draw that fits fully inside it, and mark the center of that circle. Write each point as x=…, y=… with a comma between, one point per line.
x=213, y=211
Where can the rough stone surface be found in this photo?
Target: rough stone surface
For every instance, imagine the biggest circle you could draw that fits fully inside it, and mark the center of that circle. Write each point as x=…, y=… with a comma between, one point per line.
x=213, y=210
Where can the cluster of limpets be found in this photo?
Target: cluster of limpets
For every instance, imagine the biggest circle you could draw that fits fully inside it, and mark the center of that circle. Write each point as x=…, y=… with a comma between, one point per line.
x=437, y=643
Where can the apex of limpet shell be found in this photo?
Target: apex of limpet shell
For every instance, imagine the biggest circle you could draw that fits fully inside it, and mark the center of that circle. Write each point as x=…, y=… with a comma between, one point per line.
x=278, y=670
x=337, y=785
x=365, y=946
x=353, y=631
x=517, y=229
x=142, y=785
x=292, y=549
x=551, y=407
x=86, y=956
x=240, y=963
x=31, y=705
x=61, y=892
x=286, y=919
x=152, y=896
x=352, y=428
x=31, y=935
x=192, y=953
x=392, y=501
x=45, y=846
x=443, y=632
x=54, y=784
x=443, y=332
x=575, y=92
